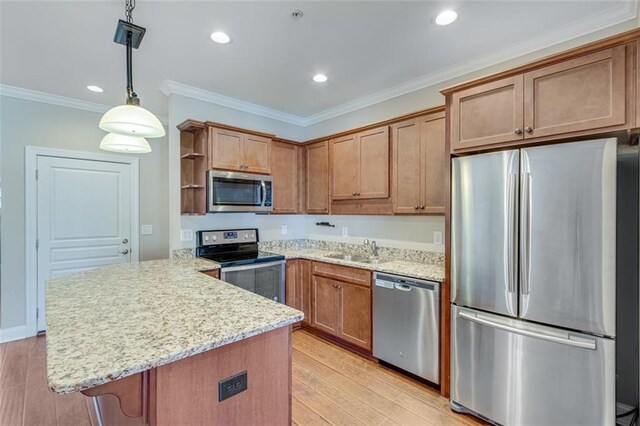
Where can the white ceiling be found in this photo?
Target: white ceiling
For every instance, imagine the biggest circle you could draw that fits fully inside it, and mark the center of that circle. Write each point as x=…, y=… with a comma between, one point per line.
x=370, y=50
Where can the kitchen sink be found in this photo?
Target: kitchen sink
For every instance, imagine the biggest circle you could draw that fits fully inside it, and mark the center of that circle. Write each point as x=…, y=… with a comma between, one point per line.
x=356, y=258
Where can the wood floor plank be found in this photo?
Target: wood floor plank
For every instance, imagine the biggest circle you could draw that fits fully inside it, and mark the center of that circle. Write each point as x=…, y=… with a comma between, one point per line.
x=318, y=403
x=71, y=409
x=383, y=403
x=12, y=406
x=38, y=398
x=302, y=414
x=369, y=415
x=14, y=366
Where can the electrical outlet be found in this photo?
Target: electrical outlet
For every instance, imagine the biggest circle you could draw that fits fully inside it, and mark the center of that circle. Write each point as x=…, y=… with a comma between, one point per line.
x=146, y=229
x=284, y=230
x=232, y=386
x=437, y=237
x=186, y=235
x=345, y=231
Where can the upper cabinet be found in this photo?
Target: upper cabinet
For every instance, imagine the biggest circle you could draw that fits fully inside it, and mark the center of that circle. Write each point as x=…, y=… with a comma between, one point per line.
x=238, y=151
x=317, y=177
x=360, y=165
x=286, y=160
x=589, y=92
x=418, y=165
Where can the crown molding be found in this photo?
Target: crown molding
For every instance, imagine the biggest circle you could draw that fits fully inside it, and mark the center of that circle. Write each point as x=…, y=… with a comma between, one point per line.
x=616, y=15
x=170, y=87
x=49, y=98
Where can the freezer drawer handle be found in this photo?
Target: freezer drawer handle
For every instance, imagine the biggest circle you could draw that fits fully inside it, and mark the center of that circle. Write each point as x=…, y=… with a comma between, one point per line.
x=582, y=343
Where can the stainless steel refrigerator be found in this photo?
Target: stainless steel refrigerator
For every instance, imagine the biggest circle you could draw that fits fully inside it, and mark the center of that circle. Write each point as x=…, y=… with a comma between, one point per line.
x=533, y=284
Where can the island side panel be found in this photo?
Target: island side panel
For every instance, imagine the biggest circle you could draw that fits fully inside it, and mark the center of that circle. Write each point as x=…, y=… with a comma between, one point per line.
x=187, y=390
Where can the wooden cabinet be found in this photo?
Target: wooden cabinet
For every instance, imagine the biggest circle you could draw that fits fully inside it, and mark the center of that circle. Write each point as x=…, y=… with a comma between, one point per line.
x=317, y=179
x=342, y=303
x=576, y=96
x=360, y=165
x=584, y=93
x=286, y=162
x=243, y=152
x=215, y=273
x=298, y=287
x=487, y=114
x=418, y=165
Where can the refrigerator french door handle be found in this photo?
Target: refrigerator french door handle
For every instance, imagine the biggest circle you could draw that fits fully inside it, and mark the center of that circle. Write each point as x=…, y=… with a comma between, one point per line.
x=581, y=343
x=512, y=249
x=525, y=263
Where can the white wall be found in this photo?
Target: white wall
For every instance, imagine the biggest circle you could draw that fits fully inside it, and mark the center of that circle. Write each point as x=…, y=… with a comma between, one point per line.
x=25, y=123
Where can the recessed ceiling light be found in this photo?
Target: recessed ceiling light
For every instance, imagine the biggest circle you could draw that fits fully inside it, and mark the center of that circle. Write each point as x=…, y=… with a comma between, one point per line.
x=96, y=89
x=220, y=37
x=446, y=17
x=319, y=78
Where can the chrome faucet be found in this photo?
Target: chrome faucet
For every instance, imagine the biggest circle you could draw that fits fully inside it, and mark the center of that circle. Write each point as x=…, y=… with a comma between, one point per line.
x=373, y=245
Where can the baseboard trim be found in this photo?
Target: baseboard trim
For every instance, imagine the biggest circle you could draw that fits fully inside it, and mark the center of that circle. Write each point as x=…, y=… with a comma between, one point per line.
x=13, y=333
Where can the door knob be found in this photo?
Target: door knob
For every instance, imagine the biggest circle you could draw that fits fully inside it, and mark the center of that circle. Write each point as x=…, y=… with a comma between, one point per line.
x=125, y=251
x=125, y=241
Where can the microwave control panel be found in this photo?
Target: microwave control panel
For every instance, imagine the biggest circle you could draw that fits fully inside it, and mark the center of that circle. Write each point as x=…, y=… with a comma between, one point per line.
x=235, y=236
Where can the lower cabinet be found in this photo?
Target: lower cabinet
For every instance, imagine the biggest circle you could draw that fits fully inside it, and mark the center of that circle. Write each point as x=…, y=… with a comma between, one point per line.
x=335, y=299
x=342, y=304
x=298, y=287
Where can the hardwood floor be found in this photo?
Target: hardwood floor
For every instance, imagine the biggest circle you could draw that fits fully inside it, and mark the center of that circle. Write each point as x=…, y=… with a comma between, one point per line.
x=330, y=386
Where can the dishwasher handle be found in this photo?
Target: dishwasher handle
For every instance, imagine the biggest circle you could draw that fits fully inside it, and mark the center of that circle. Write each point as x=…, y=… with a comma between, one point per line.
x=395, y=282
x=402, y=287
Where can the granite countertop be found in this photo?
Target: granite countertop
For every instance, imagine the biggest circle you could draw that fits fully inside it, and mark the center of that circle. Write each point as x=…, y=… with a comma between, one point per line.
x=421, y=270
x=116, y=321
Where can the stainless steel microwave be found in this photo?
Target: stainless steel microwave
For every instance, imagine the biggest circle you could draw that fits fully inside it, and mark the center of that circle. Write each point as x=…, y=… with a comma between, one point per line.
x=238, y=192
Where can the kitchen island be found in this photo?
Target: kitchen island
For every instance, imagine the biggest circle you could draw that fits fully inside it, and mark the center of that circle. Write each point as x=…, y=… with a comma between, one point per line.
x=161, y=343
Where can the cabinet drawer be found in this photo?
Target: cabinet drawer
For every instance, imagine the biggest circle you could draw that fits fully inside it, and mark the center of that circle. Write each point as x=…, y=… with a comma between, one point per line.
x=342, y=273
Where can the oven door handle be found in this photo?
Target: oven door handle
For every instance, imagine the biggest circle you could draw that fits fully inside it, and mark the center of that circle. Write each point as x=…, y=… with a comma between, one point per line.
x=252, y=266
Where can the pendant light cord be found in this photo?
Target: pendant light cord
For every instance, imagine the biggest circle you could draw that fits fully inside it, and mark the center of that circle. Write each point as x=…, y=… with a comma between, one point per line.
x=132, y=97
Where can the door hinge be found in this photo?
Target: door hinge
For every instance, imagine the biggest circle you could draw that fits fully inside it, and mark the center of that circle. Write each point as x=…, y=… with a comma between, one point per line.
x=37, y=243
x=37, y=313
x=36, y=174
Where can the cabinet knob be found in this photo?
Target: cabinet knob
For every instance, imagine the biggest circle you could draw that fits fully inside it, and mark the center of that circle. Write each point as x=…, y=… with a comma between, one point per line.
x=421, y=207
x=353, y=193
x=416, y=207
x=517, y=130
x=528, y=129
x=357, y=193
x=125, y=251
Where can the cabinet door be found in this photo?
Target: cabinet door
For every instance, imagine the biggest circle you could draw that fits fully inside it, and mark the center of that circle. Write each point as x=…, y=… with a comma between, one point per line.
x=256, y=153
x=373, y=164
x=344, y=167
x=225, y=149
x=318, y=178
x=326, y=297
x=291, y=284
x=407, y=166
x=284, y=159
x=304, y=281
x=355, y=314
x=488, y=114
x=584, y=93
x=432, y=134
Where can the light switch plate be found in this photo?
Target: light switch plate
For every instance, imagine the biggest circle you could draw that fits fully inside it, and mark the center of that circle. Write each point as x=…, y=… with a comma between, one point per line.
x=186, y=235
x=437, y=237
x=146, y=229
x=345, y=231
x=284, y=230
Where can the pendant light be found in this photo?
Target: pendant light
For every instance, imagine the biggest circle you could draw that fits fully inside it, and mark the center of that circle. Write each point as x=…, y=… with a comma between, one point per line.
x=129, y=124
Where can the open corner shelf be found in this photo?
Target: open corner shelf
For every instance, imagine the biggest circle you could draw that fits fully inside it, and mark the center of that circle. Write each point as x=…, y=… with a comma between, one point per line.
x=193, y=168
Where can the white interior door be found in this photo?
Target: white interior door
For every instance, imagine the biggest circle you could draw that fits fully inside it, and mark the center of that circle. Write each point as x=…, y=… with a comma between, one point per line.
x=84, y=218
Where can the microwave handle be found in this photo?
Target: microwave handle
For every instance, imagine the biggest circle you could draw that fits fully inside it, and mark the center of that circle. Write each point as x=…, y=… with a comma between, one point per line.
x=264, y=193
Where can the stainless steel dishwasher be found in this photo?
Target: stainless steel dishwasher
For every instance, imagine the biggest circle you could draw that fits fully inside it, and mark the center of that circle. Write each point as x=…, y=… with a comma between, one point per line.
x=406, y=324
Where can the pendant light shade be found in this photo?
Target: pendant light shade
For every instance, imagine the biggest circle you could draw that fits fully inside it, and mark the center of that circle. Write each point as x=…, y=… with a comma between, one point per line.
x=132, y=120
x=122, y=143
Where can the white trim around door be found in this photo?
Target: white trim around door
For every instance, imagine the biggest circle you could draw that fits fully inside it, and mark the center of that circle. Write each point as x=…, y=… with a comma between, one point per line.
x=31, y=217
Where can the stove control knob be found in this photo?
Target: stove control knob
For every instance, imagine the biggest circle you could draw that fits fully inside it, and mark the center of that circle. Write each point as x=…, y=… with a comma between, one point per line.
x=214, y=238
x=246, y=236
x=253, y=235
x=207, y=238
